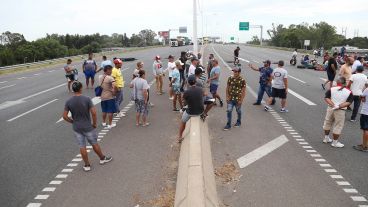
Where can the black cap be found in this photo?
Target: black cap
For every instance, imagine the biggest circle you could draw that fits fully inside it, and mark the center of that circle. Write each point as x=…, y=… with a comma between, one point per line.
x=360, y=68
x=267, y=61
x=170, y=56
x=281, y=63
x=198, y=71
x=191, y=80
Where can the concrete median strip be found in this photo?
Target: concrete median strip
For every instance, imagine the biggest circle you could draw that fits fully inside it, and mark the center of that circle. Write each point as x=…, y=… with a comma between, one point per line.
x=196, y=184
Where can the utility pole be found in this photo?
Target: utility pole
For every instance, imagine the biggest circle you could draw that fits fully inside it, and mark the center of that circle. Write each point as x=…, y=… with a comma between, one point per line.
x=261, y=27
x=195, y=39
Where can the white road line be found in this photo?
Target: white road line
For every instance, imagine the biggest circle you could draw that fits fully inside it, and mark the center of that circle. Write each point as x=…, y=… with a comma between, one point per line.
x=36, y=74
x=3, y=82
x=350, y=190
x=358, y=198
x=34, y=205
x=21, y=78
x=311, y=151
x=72, y=165
x=337, y=177
x=76, y=159
x=330, y=170
x=7, y=86
x=320, y=160
x=56, y=182
x=303, y=143
x=49, y=189
x=325, y=165
x=296, y=78
x=342, y=183
x=305, y=100
x=61, y=176
x=25, y=113
x=307, y=147
x=300, y=140
x=315, y=155
x=261, y=151
x=41, y=197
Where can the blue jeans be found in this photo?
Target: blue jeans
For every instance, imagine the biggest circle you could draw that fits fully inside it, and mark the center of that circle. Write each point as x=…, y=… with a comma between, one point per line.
x=230, y=106
x=119, y=99
x=261, y=90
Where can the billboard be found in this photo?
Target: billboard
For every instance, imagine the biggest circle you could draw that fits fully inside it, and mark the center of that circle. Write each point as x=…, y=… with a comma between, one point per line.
x=164, y=34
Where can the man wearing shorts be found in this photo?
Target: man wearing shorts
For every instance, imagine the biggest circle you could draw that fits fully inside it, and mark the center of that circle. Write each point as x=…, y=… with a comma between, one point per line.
x=338, y=99
x=140, y=91
x=193, y=96
x=69, y=73
x=170, y=68
x=331, y=71
x=119, y=83
x=89, y=69
x=81, y=108
x=108, y=104
x=175, y=85
x=279, y=87
x=214, y=81
x=208, y=100
x=158, y=72
x=364, y=123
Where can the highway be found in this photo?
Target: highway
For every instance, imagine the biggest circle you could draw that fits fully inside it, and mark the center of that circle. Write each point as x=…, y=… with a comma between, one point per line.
x=36, y=148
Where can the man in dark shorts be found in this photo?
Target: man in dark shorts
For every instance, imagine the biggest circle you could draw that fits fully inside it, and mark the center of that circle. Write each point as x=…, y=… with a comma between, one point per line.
x=81, y=108
x=364, y=122
x=236, y=55
x=69, y=74
x=193, y=97
x=331, y=71
x=89, y=69
x=279, y=86
x=183, y=59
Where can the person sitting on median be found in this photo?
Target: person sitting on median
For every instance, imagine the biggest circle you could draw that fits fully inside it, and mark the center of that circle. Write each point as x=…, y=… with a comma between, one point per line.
x=193, y=97
x=81, y=108
x=201, y=80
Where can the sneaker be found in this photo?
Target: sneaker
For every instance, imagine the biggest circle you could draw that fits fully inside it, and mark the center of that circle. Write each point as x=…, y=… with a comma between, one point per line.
x=176, y=110
x=323, y=86
x=327, y=140
x=256, y=104
x=227, y=128
x=361, y=148
x=104, y=124
x=121, y=114
x=337, y=144
x=110, y=126
x=266, y=108
x=151, y=104
x=106, y=159
x=87, y=168
x=237, y=124
x=284, y=110
x=221, y=103
x=352, y=120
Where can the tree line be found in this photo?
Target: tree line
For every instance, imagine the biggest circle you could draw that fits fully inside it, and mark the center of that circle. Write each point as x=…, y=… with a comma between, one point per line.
x=15, y=49
x=320, y=35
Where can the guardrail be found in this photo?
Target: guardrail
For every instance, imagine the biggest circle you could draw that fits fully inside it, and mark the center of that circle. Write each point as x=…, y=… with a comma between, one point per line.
x=196, y=185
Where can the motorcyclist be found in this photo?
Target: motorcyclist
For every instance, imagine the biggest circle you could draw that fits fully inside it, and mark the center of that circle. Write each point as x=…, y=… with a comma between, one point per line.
x=236, y=55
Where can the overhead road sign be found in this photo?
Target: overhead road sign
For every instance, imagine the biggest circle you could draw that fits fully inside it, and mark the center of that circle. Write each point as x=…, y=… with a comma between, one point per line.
x=243, y=26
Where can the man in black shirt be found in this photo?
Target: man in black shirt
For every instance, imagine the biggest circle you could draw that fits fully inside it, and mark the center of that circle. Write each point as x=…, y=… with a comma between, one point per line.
x=193, y=97
x=183, y=59
x=331, y=71
x=236, y=55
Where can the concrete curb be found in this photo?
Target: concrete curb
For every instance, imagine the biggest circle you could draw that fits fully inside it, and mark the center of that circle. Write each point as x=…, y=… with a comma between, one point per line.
x=196, y=185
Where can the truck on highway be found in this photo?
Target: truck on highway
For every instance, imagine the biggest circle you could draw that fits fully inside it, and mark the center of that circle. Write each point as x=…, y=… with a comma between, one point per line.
x=179, y=41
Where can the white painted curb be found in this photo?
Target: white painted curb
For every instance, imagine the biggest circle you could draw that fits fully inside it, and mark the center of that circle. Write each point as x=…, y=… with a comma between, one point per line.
x=196, y=185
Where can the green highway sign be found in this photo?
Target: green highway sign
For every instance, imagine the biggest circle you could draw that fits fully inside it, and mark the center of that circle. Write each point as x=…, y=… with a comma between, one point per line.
x=232, y=38
x=243, y=26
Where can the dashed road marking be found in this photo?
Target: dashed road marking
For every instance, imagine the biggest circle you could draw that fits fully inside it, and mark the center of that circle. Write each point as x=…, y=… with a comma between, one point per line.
x=61, y=176
x=336, y=177
x=42, y=197
x=76, y=159
x=72, y=165
x=27, y=112
x=350, y=190
x=358, y=198
x=34, y=205
x=67, y=170
x=49, y=189
x=7, y=86
x=331, y=170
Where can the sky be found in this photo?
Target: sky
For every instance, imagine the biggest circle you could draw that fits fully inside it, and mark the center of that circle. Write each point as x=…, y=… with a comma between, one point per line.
x=219, y=18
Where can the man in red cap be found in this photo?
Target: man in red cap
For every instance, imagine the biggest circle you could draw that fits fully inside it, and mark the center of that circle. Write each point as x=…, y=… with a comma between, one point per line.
x=119, y=83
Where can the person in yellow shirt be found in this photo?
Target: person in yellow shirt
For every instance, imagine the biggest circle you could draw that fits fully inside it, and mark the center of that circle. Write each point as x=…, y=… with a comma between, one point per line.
x=119, y=84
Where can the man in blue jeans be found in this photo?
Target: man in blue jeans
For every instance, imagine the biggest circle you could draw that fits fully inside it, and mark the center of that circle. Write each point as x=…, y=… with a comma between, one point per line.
x=264, y=81
x=235, y=93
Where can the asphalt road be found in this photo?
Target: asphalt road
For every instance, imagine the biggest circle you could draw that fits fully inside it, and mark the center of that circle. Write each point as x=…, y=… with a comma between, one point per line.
x=34, y=147
x=289, y=176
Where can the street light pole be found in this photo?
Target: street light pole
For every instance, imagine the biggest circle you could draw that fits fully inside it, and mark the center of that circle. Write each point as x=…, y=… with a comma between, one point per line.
x=195, y=39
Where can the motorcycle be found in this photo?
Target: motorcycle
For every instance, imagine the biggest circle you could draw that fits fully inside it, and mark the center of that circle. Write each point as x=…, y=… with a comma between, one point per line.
x=293, y=60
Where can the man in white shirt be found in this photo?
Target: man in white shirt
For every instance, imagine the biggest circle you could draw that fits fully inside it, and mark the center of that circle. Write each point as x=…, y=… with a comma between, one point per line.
x=193, y=66
x=170, y=67
x=357, y=62
x=338, y=99
x=279, y=86
x=357, y=83
x=364, y=123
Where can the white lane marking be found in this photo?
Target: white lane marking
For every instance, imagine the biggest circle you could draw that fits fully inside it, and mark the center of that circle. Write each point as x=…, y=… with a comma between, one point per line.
x=303, y=143
x=25, y=113
x=305, y=100
x=336, y=177
x=315, y=155
x=67, y=170
x=311, y=151
x=330, y=170
x=51, y=71
x=8, y=104
x=56, y=182
x=261, y=151
x=72, y=165
x=104, y=130
x=7, y=86
x=293, y=133
x=3, y=82
x=320, y=160
x=76, y=159
x=34, y=204
x=36, y=74
x=296, y=78
x=100, y=136
x=61, y=176
x=325, y=165
x=358, y=198
x=300, y=140
x=342, y=183
x=49, y=189
x=295, y=136
x=21, y=78
x=41, y=197
x=350, y=190
x=307, y=147
x=95, y=101
x=102, y=133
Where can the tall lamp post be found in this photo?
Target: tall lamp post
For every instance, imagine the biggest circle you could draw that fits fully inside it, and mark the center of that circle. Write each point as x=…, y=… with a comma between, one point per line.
x=195, y=39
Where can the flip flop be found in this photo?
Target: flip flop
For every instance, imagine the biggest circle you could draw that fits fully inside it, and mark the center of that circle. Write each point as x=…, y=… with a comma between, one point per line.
x=361, y=148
